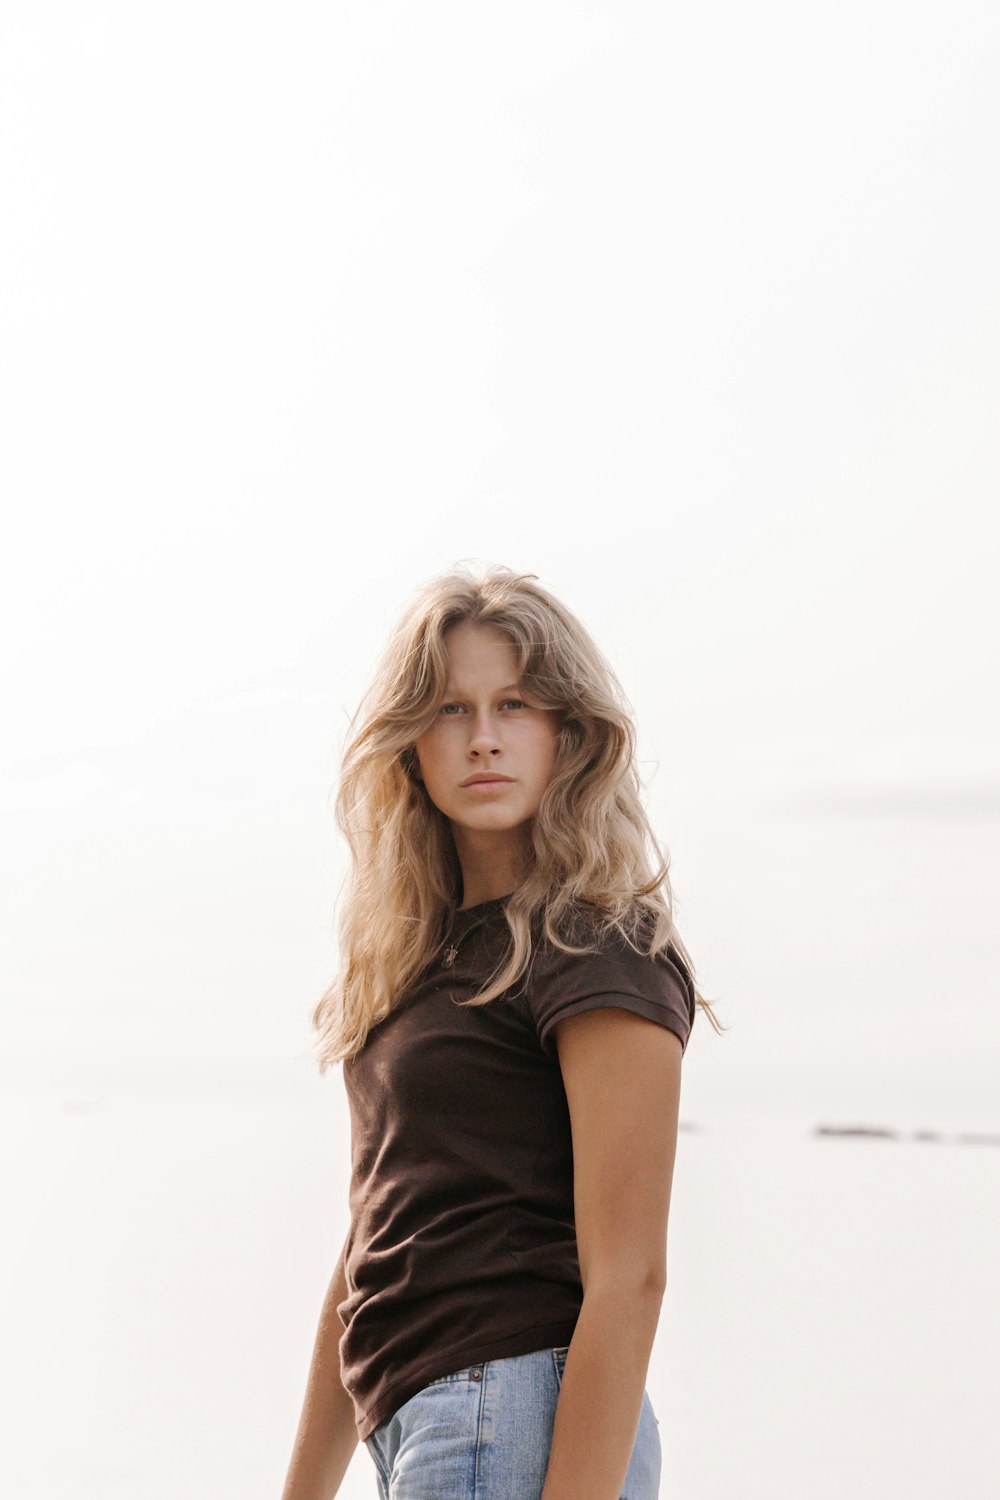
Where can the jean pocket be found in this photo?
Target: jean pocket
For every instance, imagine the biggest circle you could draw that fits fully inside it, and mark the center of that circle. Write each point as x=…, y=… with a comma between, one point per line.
x=444, y=1379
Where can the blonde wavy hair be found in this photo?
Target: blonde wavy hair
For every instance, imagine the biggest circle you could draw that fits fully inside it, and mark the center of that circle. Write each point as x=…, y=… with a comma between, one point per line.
x=589, y=836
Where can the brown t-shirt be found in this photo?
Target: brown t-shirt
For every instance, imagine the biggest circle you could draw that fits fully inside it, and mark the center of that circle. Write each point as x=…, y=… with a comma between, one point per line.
x=462, y=1245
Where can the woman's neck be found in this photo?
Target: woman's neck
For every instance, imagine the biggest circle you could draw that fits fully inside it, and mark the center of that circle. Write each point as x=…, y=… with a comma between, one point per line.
x=491, y=868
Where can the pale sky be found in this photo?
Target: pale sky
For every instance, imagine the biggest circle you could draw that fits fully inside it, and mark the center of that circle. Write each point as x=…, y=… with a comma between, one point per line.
x=692, y=312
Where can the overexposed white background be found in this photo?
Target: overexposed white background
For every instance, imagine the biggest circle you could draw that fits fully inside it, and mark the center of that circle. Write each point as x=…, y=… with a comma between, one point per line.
x=692, y=312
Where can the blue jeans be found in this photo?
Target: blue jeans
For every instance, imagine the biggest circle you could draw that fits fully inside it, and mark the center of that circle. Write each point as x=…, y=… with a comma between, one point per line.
x=484, y=1433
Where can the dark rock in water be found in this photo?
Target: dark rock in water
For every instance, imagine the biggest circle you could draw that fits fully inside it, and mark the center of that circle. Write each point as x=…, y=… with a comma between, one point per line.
x=878, y=1132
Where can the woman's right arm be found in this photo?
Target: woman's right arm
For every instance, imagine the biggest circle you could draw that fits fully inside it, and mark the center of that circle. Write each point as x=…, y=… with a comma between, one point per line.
x=328, y=1434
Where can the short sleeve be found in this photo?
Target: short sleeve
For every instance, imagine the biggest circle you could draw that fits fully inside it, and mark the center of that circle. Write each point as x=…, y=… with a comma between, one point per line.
x=658, y=987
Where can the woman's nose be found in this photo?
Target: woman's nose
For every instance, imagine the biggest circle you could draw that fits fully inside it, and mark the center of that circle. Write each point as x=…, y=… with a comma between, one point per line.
x=483, y=731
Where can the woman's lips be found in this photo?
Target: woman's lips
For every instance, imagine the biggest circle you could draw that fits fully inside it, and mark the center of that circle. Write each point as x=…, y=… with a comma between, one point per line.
x=486, y=786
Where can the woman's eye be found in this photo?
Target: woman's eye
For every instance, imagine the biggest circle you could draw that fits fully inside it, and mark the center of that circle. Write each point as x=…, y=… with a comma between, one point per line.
x=445, y=707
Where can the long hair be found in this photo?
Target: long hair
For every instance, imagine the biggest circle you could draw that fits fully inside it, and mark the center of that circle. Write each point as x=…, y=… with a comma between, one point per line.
x=589, y=838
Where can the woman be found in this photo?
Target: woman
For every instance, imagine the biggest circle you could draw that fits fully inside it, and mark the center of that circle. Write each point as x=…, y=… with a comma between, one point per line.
x=511, y=1014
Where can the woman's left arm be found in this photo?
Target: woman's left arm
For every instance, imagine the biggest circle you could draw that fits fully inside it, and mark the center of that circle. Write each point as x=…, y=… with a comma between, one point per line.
x=622, y=1075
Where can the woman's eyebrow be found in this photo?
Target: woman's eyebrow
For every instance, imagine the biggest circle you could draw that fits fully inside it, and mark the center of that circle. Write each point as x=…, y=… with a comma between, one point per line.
x=510, y=688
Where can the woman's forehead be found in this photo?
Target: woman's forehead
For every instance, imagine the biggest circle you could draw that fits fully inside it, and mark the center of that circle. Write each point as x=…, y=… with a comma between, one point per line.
x=475, y=651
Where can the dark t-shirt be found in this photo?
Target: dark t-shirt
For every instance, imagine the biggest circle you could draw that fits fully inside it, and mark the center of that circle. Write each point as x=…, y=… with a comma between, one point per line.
x=462, y=1245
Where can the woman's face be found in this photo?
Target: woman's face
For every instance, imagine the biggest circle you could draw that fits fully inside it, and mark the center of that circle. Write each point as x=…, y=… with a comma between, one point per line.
x=486, y=725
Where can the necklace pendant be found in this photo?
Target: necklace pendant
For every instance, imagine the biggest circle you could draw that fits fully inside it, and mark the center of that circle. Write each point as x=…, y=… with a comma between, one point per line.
x=450, y=955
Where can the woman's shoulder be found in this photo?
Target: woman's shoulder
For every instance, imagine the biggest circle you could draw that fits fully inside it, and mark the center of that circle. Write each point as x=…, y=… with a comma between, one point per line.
x=589, y=935
x=612, y=961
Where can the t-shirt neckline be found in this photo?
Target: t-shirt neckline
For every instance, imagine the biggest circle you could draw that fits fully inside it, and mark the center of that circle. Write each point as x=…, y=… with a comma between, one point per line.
x=464, y=914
